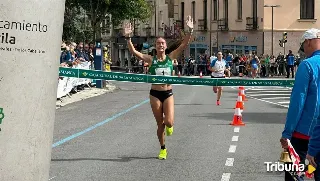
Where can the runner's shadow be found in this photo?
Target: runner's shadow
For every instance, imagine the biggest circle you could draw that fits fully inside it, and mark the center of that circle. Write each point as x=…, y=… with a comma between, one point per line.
x=119, y=159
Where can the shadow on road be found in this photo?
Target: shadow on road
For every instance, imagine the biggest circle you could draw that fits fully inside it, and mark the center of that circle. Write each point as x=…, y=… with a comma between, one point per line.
x=259, y=118
x=119, y=159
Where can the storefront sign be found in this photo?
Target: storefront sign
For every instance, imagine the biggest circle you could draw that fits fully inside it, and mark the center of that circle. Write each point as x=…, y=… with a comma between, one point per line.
x=200, y=39
x=240, y=38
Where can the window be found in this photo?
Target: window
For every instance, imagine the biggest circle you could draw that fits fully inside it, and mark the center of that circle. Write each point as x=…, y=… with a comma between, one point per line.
x=215, y=9
x=226, y=9
x=205, y=9
x=182, y=15
x=306, y=9
x=239, y=9
x=205, y=13
x=193, y=6
x=254, y=8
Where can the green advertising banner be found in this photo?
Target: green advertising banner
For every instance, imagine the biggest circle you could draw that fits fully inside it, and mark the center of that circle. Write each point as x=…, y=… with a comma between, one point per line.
x=153, y=79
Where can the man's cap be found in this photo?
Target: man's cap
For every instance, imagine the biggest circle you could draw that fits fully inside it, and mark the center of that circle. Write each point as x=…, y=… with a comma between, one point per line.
x=310, y=34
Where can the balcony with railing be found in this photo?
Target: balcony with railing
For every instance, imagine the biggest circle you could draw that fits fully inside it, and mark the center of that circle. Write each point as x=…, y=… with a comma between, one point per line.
x=223, y=24
x=202, y=24
x=252, y=23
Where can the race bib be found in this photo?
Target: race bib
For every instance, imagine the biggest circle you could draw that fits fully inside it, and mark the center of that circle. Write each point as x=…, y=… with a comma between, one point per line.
x=220, y=67
x=163, y=71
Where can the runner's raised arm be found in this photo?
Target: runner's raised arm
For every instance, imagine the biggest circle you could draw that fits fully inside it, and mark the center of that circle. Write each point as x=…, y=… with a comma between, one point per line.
x=175, y=54
x=127, y=30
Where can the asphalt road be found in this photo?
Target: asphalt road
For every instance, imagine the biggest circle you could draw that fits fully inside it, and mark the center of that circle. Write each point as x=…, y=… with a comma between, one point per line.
x=113, y=137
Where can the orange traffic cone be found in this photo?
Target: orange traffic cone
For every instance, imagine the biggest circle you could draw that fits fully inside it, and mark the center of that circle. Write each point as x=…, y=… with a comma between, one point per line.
x=241, y=90
x=237, y=118
x=239, y=103
x=200, y=74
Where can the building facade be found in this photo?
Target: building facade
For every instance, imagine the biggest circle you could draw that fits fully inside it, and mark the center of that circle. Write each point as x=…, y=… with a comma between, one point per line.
x=293, y=17
x=244, y=26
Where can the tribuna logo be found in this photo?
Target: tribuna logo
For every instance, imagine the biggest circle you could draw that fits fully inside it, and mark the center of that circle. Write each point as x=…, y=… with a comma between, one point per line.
x=280, y=167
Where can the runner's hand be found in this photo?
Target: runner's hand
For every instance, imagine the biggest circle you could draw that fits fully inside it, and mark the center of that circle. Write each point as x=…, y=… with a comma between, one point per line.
x=127, y=29
x=189, y=22
x=284, y=143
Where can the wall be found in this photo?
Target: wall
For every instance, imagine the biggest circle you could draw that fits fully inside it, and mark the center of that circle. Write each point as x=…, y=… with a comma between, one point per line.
x=162, y=16
x=287, y=16
x=286, y=19
x=234, y=22
x=292, y=44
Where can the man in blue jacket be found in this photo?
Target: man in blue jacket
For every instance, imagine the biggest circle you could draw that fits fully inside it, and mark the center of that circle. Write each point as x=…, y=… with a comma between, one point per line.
x=313, y=47
x=290, y=64
x=304, y=105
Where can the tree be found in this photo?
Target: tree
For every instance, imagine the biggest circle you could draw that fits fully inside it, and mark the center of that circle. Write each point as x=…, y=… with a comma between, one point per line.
x=74, y=28
x=129, y=10
x=120, y=10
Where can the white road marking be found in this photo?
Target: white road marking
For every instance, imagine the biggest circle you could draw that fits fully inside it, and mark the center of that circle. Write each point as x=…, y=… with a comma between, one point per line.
x=232, y=148
x=225, y=177
x=235, y=138
x=276, y=98
x=229, y=162
x=268, y=102
x=268, y=87
x=270, y=91
x=267, y=98
x=287, y=102
x=52, y=177
x=270, y=94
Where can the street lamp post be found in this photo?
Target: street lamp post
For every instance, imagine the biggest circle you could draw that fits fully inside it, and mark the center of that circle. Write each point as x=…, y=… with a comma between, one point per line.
x=272, y=6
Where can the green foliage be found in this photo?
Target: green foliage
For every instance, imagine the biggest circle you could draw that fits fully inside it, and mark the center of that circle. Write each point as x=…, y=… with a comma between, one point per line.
x=75, y=26
x=96, y=10
x=129, y=9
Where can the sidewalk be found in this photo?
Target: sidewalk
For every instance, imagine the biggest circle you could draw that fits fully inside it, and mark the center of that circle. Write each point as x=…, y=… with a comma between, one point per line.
x=85, y=94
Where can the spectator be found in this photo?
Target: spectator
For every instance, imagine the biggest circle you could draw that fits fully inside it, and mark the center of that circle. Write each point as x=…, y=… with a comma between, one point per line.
x=81, y=54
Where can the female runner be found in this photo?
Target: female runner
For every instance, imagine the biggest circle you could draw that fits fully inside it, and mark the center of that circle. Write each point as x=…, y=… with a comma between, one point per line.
x=161, y=95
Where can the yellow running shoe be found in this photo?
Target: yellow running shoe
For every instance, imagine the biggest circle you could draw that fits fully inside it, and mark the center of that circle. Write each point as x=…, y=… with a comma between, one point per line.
x=163, y=154
x=169, y=131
